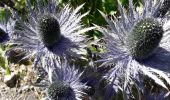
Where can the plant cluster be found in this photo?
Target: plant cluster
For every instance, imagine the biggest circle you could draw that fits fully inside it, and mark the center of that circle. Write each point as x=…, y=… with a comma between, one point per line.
x=128, y=56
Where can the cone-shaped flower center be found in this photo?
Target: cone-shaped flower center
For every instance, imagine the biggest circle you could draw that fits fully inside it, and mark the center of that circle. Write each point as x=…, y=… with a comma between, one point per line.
x=58, y=90
x=49, y=30
x=144, y=38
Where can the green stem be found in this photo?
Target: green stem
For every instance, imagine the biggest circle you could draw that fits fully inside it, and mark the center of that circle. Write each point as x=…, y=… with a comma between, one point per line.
x=4, y=60
x=7, y=71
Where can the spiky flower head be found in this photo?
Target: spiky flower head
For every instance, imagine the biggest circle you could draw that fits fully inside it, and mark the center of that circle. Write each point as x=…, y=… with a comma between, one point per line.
x=65, y=83
x=51, y=30
x=138, y=45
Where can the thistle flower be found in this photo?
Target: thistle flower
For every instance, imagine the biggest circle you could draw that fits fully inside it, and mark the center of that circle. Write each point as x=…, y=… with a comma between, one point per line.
x=138, y=45
x=51, y=31
x=65, y=82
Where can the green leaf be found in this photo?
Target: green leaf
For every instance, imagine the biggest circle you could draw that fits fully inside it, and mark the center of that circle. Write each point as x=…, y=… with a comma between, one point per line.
x=2, y=61
x=2, y=14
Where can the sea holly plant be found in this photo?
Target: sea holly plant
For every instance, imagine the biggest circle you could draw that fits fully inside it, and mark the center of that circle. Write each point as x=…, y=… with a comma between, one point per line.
x=138, y=45
x=51, y=30
x=64, y=81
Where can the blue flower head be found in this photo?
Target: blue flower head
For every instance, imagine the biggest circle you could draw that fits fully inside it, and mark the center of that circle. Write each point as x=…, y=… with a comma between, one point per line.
x=51, y=30
x=65, y=83
x=138, y=44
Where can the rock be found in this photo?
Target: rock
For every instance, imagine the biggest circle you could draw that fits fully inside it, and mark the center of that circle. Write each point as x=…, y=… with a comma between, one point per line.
x=31, y=96
x=11, y=80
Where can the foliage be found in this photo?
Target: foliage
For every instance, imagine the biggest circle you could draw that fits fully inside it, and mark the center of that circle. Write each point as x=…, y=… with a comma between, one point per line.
x=3, y=59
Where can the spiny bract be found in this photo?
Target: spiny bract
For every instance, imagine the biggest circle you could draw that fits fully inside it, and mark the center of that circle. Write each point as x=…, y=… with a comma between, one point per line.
x=163, y=9
x=144, y=38
x=49, y=30
x=58, y=90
